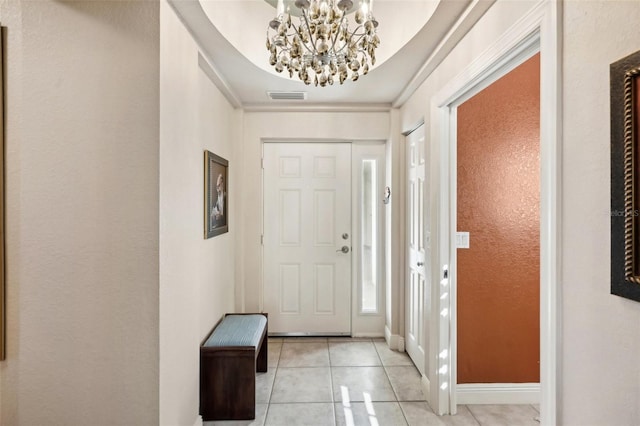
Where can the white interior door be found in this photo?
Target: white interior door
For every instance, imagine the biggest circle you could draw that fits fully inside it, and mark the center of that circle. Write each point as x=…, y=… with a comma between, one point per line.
x=307, y=237
x=415, y=289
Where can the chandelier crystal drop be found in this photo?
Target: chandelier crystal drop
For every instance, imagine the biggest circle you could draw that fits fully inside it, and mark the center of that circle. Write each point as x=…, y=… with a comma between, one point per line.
x=321, y=48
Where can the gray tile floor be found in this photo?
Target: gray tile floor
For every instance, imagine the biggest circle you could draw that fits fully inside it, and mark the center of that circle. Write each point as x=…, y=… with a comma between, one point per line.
x=353, y=382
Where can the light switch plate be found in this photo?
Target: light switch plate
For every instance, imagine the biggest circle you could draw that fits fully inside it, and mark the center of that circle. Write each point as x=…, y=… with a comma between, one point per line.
x=462, y=240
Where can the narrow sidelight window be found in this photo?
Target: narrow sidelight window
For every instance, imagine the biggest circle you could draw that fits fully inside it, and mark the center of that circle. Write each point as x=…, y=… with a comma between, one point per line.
x=369, y=237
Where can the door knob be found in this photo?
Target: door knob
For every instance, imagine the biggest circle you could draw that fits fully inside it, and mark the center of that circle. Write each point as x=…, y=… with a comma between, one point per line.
x=344, y=249
x=420, y=263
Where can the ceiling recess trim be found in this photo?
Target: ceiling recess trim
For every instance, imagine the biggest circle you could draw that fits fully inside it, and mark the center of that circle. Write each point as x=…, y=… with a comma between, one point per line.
x=316, y=107
x=216, y=78
x=457, y=32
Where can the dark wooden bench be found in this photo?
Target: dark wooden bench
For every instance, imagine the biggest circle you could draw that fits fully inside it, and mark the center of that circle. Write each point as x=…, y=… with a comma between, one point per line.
x=229, y=357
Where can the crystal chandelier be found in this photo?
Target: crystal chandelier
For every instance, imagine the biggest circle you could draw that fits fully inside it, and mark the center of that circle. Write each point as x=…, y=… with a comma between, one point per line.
x=321, y=47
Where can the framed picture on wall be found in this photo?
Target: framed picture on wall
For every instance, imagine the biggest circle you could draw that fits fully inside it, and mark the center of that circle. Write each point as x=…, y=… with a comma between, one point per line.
x=3, y=313
x=216, y=214
x=625, y=177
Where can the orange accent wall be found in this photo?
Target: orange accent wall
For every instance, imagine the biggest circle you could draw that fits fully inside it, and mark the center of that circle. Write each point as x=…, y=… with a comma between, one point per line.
x=498, y=277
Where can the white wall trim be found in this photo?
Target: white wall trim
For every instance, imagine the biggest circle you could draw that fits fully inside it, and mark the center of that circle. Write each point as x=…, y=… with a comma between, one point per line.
x=541, y=28
x=216, y=78
x=367, y=335
x=302, y=106
x=550, y=211
x=395, y=341
x=520, y=41
x=498, y=393
x=192, y=16
x=198, y=421
x=460, y=28
x=322, y=140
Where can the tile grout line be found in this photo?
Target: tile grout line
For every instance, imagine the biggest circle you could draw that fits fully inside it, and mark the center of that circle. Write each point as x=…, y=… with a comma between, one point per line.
x=273, y=385
x=384, y=367
x=473, y=415
x=333, y=399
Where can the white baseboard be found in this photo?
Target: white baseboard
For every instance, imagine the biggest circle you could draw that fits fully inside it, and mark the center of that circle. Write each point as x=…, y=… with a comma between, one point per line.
x=371, y=335
x=498, y=393
x=426, y=387
x=198, y=421
x=395, y=341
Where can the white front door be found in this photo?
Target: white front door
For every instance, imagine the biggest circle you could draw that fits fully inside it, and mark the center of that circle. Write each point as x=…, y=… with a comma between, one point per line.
x=307, y=237
x=416, y=296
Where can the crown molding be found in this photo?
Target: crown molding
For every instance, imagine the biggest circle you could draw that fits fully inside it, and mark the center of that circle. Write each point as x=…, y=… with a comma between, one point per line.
x=465, y=22
x=198, y=25
x=216, y=78
x=305, y=107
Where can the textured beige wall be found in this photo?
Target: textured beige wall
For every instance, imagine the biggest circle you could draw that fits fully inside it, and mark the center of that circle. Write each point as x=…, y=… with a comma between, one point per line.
x=601, y=332
x=82, y=223
x=196, y=275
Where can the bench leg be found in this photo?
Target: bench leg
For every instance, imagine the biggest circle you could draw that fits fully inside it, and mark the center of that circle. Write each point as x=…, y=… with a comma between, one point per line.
x=263, y=355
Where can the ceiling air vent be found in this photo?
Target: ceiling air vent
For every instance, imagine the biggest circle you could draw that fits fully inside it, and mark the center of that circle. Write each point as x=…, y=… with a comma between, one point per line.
x=287, y=96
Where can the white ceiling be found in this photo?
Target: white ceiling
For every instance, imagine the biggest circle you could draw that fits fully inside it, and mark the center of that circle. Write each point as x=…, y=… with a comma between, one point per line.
x=415, y=36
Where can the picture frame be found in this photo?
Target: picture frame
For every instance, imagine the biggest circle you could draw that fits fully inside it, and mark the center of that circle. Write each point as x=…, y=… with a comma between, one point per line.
x=625, y=177
x=3, y=307
x=216, y=200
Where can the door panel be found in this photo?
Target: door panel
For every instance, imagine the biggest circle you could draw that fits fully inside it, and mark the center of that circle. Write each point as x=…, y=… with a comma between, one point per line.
x=307, y=204
x=416, y=267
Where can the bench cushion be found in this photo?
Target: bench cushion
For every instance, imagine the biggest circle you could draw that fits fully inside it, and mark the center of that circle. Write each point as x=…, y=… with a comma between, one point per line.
x=238, y=330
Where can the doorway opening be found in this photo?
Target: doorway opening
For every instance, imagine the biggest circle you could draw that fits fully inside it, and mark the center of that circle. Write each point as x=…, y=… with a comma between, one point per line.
x=497, y=268
x=538, y=31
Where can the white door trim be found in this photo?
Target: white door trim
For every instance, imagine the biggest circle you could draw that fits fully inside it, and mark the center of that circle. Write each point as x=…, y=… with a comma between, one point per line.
x=539, y=29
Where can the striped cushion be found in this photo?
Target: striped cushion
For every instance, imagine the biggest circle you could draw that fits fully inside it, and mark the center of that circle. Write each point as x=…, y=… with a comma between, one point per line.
x=238, y=330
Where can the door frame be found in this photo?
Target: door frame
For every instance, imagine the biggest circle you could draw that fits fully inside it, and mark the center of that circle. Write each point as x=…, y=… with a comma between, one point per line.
x=355, y=222
x=539, y=30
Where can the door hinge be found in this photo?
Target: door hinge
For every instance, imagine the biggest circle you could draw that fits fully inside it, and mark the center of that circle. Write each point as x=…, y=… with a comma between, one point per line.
x=261, y=240
x=262, y=163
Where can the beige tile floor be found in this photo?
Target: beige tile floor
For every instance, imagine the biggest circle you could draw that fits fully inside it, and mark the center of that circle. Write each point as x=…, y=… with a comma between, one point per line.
x=354, y=382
